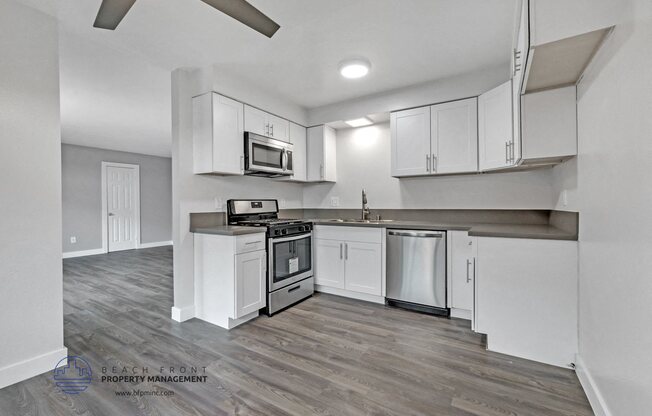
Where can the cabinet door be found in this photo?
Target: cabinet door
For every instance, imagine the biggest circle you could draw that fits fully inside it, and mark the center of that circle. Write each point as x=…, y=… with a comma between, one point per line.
x=298, y=139
x=330, y=155
x=462, y=270
x=518, y=79
x=454, y=136
x=256, y=121
x=363, y=268
x=321, y=154
x=228, y=133
x=315, y=154
x=410, y=131
x=495, y=127
x=217, y=135
x=329, y=263
x=250, y=284
x=279, y=128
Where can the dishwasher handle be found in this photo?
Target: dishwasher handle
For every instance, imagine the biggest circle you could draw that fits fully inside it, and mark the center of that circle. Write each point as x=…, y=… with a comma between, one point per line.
x=419, y=234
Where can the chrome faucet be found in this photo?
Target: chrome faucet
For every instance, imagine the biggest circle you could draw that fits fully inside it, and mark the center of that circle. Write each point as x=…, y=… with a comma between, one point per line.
x=365, y=208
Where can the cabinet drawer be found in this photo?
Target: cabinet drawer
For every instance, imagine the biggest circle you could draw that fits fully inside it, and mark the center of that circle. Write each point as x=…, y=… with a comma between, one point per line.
x=249, y=242
x=343, y=233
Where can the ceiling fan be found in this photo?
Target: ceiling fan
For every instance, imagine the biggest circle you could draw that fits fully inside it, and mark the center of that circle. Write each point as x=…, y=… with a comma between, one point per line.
x=112, y=12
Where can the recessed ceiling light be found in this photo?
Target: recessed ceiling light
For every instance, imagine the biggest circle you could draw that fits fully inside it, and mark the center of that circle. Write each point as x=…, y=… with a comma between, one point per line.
x=359, y=122
x=355, y=68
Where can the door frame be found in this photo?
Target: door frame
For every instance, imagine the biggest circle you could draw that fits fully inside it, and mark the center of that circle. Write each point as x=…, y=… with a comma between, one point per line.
x=105, y=211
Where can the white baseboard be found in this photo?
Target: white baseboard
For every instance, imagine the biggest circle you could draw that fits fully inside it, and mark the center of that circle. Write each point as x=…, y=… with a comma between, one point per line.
x=93, y=252
x=350, y=294
x=23, y=370
x=596, y=398
x=184, y=313
x=156, y=244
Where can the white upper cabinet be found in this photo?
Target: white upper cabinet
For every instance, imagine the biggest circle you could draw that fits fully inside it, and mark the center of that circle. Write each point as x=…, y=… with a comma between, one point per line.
x=298, y=138
x=321, y=154
x=218, y=134
x=497, y=147
x=549, y=125
x=454, y=137
x=410, y=136
x=266, y=124
x=438, y=139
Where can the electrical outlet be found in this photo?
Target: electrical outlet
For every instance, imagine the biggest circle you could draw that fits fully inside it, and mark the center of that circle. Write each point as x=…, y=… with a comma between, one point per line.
x=218, y=203
x=564, y=198
x=282, y=203
x=335, y=201
x=73, y=240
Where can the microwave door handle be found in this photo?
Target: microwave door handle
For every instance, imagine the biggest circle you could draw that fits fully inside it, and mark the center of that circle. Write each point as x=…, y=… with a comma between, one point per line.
x=284, y=160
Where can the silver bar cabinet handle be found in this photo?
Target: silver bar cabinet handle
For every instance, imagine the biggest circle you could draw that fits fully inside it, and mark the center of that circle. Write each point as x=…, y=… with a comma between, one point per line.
x=434, y=163
x=468, y=276
x=346, y=251
x=427, y=163
x=340, y=251
x=506, y=152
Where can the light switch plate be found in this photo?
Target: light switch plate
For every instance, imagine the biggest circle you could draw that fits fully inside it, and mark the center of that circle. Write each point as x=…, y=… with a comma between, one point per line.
x=335, y=201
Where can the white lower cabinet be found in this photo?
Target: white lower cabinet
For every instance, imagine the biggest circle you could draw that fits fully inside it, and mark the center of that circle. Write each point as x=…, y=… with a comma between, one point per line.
x=329, y=263
x=230, y=278
x=362, y=267
x=526, y=298
x=462, y=271
x=249, y=282
x=349, y=261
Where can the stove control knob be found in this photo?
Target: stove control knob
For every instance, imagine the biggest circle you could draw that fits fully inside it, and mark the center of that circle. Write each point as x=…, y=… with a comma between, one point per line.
x=277, y=232
x=302, y=228
x=284, y=231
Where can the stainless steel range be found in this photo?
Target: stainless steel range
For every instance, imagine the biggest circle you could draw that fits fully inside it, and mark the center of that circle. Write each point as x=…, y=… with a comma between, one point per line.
x=289, y=250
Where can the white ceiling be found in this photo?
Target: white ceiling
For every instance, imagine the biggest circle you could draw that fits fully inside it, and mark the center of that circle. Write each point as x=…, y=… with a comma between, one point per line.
x=112, y=82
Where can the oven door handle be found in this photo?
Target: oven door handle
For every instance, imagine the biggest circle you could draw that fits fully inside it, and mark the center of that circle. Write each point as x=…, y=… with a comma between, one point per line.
x=291, y=238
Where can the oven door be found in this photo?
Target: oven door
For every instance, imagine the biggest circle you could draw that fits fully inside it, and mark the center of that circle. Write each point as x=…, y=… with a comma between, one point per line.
x=290, y=260
x=268, y=155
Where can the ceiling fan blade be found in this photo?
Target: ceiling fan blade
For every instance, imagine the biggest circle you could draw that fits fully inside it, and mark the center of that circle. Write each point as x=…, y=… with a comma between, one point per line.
x=111, y=13
x=245, y=13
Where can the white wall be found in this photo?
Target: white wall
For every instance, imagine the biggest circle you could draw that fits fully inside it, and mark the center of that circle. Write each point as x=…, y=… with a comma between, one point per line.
x=446, y=89
x=31, y=324
x=363, y=161
x=611, y=185
x=197, y=193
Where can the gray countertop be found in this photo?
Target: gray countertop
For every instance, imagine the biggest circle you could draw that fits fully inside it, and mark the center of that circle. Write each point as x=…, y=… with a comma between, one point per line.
x=534, y=231
x=227, y=230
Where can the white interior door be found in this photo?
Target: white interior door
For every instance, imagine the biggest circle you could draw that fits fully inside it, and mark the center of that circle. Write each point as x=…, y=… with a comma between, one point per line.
x=123, y=214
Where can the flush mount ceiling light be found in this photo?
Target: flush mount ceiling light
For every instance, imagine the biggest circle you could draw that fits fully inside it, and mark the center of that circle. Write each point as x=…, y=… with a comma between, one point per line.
x=359, y=122
x=354, y=68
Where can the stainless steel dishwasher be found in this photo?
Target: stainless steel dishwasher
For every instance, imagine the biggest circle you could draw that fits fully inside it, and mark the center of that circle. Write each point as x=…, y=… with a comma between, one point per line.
x=416, y=270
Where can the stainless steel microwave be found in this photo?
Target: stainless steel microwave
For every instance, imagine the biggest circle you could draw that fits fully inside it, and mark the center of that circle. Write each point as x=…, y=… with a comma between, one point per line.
x=267, y=157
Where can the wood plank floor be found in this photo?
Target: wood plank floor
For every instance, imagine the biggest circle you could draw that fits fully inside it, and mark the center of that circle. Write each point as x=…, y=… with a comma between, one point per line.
x=325, y=356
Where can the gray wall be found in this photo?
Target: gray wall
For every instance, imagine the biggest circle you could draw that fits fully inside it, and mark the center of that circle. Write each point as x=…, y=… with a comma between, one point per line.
x=82, y=184
x=31, y=326
x=610, y=185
